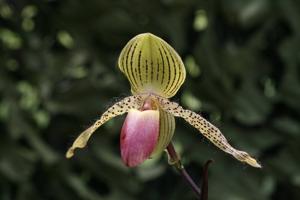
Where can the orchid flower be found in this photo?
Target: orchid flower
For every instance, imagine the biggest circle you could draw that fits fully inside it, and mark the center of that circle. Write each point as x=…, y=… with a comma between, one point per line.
x=155, y=72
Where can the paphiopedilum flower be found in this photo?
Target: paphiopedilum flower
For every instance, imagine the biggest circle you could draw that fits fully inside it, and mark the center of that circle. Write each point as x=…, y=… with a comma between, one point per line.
x=155, y=72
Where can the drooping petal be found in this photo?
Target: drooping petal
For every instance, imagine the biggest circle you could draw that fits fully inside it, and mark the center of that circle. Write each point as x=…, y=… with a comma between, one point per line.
x=119, y=108
x=166, y=131
x=207, y=129
x=139, y=136
x=152, y=66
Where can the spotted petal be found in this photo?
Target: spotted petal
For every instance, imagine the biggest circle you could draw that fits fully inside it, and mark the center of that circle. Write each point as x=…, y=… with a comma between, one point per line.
x=208, y=130
x=152, y=66
x=119, y=108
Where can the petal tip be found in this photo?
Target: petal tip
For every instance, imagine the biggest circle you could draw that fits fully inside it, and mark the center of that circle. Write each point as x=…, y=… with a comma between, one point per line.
x=70, y=153
x=245, y=157
x=251, y=161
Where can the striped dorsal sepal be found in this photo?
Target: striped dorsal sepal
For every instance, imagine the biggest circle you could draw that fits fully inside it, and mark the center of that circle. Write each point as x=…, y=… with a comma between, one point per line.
x=152, y=66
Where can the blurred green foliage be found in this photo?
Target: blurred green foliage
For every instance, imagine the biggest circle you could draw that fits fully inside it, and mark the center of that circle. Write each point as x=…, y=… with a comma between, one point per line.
x=58, y=74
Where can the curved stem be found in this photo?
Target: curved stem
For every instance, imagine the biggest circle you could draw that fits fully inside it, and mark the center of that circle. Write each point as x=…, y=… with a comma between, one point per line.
x=204, y=182
x=175, y=161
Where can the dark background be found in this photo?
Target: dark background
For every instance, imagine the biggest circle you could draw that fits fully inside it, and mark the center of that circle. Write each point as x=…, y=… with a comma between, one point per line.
x=58, y=73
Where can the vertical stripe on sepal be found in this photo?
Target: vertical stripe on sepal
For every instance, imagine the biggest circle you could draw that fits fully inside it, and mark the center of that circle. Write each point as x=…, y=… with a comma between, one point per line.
x=152, y=66
x=166, y=131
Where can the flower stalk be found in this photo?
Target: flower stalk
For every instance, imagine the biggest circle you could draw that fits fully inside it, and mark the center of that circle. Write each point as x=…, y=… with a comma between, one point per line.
x=176, y=162
x=204, y=182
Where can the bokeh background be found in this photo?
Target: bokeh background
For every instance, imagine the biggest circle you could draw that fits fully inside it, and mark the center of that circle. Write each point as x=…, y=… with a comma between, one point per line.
x=58, y=73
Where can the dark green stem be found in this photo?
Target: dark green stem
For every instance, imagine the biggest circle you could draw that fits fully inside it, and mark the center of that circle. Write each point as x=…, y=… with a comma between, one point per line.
x=175, y=161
